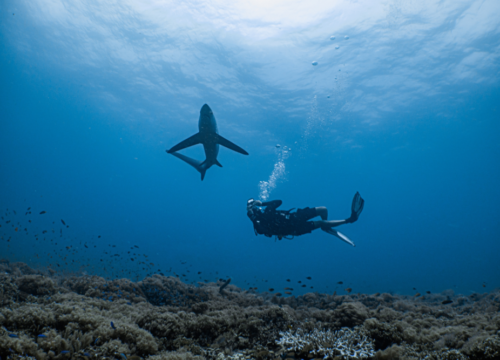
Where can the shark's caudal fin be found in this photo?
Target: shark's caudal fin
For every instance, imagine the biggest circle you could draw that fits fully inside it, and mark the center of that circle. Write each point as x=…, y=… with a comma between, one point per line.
x=190, y=141
x=198, y=165
x=225, y=142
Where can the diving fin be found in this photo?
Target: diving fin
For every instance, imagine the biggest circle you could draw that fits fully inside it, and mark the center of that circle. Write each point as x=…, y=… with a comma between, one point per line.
x=198, y=165
x=225, y=142
x=339, y=235
x=190, y=141
x=356, y=208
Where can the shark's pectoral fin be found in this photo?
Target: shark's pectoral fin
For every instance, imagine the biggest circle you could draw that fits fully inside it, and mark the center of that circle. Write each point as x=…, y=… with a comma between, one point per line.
x=190, y=141
x=198, y=165
x=217, y=163
x=226, y=143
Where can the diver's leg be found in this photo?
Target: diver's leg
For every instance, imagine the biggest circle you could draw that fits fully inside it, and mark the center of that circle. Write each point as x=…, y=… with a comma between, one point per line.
x=328, y=224
x=322, y=211
x=339, y=235
x=356, y=209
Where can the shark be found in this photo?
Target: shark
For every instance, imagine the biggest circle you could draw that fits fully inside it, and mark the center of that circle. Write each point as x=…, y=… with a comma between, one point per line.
x=209, y=137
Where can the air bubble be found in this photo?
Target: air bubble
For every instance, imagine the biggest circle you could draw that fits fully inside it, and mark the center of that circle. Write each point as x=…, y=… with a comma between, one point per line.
x=315, y=63
x=346, y=37
x=332, y=37
x=336, y=47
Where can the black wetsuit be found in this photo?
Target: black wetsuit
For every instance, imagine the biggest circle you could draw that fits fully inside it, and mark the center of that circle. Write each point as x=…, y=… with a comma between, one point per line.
x=280, y=222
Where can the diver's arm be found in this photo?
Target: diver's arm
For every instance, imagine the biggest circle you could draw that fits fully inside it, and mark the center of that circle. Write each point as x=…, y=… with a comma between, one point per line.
x=274, y=204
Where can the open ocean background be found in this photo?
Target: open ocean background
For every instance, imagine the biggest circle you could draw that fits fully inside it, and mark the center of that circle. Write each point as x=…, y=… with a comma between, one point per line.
x=402, y=106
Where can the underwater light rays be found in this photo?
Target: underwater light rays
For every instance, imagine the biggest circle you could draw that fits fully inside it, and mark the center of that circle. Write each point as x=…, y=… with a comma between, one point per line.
x=237, y=55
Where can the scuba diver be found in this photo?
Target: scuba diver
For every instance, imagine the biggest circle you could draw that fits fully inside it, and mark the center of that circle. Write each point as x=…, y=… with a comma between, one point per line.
x=284, y=223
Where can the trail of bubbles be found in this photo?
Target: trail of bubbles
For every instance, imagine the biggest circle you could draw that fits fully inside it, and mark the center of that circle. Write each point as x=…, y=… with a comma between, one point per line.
x=278, y=174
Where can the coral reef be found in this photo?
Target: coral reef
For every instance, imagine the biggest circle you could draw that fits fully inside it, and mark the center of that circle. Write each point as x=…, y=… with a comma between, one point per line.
x=46, y=315
x=347, y=343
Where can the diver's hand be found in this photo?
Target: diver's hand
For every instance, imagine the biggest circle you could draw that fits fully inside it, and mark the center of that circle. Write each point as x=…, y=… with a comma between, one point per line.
x=258, y=203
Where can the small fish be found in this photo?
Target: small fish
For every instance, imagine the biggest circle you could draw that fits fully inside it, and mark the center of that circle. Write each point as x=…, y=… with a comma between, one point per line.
x=43, y=212
x=428, y=292
x=417, y=294
x=288, y=280
x=199, y=272
x=63, y=222
x=288, y=293
x=414, y=289
x=42, y=336
x=300, y=282
x=13, y=336
x=113, y=326
x=129, y=303
x=278, y=294
x=123, y=356
x=17, y=229
x=65, y=352
x=376, y=294
x=304, y=285
x=340, y=282
x=348, y=290
x=287, y=288
x=484, y=285
x=95, y=342
x=446, y=302
x=86, y=354
x=308, y=278
x=271, y=289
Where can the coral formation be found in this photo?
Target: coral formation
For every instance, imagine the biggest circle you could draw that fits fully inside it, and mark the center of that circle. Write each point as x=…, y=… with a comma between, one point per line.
x=46, y=315
x=347, y=343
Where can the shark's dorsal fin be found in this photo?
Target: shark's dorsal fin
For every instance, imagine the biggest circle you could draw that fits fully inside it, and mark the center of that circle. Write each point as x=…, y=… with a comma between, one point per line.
x=190, y=141
x=225, y=142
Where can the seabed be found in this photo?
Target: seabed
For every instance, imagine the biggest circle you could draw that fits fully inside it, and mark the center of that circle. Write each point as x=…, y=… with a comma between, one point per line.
x=48, y=315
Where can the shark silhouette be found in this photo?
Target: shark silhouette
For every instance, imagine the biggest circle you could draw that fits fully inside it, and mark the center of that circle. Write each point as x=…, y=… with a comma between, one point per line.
x=208, y=135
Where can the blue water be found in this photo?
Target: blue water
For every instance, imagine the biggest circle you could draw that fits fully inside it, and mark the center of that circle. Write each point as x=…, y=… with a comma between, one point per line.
x=405, y=111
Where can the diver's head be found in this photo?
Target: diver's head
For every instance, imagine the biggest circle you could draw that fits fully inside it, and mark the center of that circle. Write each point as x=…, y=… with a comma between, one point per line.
x=251, y=204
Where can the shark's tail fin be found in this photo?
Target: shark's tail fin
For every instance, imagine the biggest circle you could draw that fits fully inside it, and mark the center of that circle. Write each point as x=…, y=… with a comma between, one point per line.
x=198, y=165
